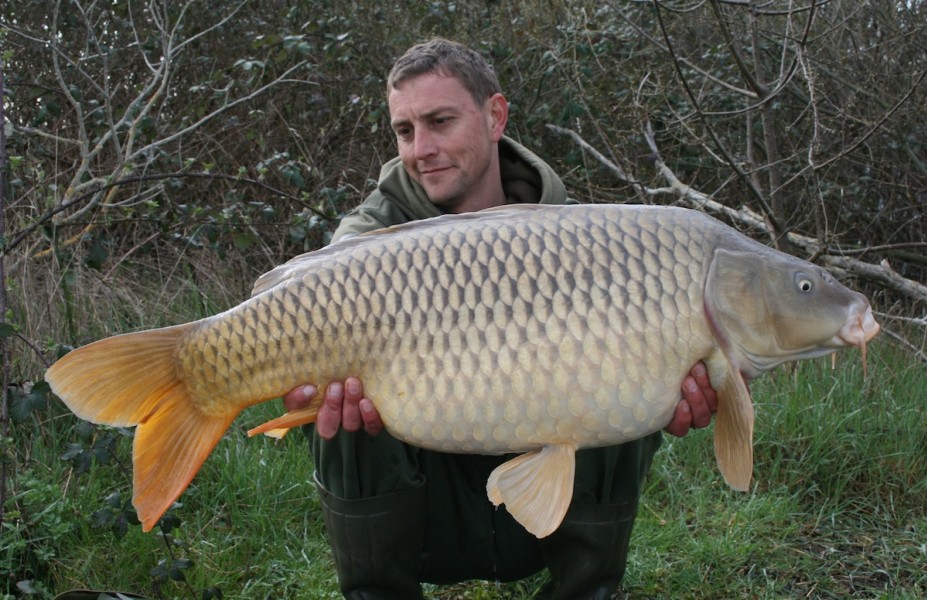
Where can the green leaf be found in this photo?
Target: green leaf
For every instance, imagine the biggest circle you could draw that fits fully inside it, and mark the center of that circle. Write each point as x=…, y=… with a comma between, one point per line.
x=84, y=431
x=242, y=241
x=101, y=518
x=7, y=330
x=159, y=572
x=25, y=404
x=74, y=450
x=97, y=254
x=102, y=454
x=211, y=593
x=79, y=457
x=61, y=350
x=120, y=527
x=168, y=522
x=69, y=279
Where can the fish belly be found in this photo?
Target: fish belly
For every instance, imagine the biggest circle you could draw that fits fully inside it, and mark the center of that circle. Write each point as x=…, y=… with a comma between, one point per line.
x=483, y=335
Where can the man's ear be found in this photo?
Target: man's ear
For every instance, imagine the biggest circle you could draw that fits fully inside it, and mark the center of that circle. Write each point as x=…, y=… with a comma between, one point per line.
x=498, y=115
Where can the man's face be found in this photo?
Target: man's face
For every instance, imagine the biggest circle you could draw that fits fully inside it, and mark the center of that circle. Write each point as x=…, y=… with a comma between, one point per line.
x=447, y=142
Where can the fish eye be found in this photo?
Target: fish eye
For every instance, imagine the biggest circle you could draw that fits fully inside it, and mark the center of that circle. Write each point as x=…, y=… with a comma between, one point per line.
x=803, y=281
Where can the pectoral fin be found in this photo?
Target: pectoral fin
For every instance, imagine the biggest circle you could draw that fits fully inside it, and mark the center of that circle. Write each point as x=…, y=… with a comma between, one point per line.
x=536, y=487
x=734, y=428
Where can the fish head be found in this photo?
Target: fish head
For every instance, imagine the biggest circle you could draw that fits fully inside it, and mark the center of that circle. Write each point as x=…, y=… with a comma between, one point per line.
x=767, y=308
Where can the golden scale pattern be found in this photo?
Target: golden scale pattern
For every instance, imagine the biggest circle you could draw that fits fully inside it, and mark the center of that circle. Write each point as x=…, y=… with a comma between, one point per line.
x=470, y=335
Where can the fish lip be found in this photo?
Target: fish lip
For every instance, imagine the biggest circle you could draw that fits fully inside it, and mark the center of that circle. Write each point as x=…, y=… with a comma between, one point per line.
x=858, y=331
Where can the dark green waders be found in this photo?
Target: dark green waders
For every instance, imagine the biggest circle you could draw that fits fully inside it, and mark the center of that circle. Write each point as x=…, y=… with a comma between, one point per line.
x=397, y=515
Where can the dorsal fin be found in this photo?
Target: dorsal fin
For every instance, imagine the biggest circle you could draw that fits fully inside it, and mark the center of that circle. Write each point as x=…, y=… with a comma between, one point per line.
x=298, y=263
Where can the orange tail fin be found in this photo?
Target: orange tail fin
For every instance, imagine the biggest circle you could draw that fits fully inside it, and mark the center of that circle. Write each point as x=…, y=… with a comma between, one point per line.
x=131, y=380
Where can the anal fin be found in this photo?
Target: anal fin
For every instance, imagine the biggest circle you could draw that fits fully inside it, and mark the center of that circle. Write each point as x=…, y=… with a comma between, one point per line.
x=536, y=487
x=277, y=428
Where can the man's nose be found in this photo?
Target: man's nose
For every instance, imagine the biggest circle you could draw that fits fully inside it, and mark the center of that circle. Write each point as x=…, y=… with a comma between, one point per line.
x=425, y=145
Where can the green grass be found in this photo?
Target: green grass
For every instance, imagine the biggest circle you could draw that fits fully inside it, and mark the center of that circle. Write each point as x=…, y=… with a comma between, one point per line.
x=837, y=507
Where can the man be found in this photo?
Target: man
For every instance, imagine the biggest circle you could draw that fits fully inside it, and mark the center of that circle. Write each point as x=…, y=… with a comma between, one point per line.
x=397, y=515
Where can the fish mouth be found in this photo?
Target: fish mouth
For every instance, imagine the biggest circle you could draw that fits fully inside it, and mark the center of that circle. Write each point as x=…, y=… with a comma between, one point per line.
x=859, y=329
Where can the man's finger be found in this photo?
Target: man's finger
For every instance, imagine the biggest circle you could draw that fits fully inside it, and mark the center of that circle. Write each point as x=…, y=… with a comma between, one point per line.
x=329, y=420
x=682, y=420
x=700, y=373
x=372, y=422
x=351, y=419
x=694, y=396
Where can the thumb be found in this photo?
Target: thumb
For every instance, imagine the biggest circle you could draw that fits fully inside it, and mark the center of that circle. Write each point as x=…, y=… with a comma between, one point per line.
x=299, y=397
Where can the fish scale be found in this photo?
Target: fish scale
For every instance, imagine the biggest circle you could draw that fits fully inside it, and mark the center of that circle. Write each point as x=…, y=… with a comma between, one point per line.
x=480, y=315
x=528, y=329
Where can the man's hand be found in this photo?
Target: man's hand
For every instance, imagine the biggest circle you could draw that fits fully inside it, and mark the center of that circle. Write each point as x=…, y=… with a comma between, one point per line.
x=343, y=406
x=699, y=402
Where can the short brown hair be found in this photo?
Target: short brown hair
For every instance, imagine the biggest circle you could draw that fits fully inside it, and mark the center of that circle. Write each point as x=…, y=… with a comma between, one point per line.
x=447, y=58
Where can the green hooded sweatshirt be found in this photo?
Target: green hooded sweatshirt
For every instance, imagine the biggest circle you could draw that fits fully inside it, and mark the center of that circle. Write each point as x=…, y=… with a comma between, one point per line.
x=525, y=179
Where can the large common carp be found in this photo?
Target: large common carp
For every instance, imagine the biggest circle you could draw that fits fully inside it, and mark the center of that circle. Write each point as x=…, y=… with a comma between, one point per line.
x=527, y=329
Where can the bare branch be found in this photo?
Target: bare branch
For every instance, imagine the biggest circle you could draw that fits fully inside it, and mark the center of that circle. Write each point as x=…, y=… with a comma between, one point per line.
x=882, y=273
x=282, y=79
x=745, y=217
x=776, y=227
x=21, y=235
x=618, y=171
x=121, y=132
x=866, y=134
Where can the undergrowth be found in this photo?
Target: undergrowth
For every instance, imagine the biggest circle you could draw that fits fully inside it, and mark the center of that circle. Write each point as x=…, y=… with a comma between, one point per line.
x=836, y=509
